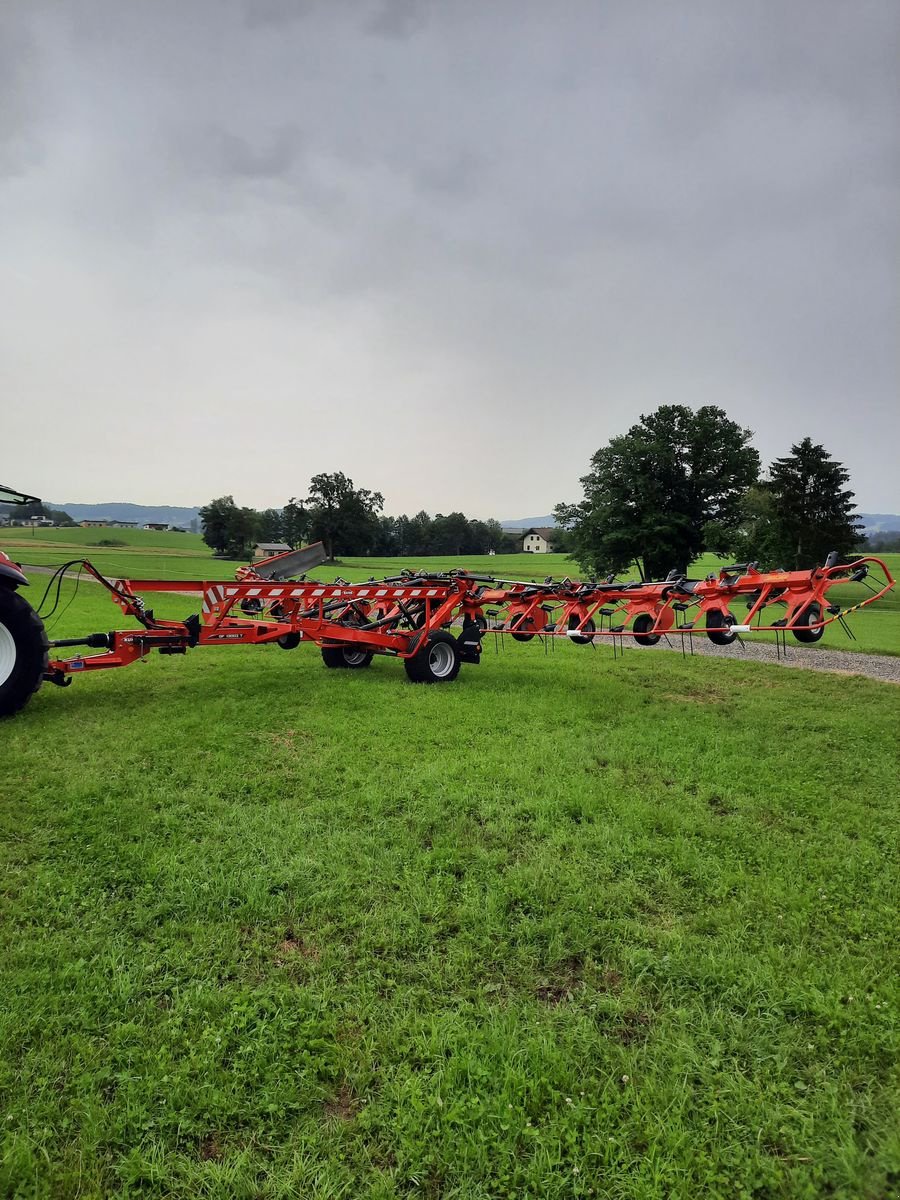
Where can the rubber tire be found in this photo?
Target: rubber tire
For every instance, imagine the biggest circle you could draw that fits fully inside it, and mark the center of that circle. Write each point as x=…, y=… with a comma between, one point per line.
x=717, y=628
x=581, y=639
x=643, y=622
x=419, y=668
x=29, y=639
x=812, y=613
x=523, y=622
x=335, y=657
x=290, y=641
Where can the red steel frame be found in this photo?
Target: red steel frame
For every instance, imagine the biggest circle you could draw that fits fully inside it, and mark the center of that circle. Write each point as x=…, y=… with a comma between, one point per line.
x=397, y=616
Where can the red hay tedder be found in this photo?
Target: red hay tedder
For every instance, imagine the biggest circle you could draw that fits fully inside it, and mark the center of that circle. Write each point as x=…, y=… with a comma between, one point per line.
x=434, y=622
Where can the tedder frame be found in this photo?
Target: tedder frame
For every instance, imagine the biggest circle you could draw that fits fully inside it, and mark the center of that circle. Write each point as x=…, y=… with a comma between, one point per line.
x=433, y=621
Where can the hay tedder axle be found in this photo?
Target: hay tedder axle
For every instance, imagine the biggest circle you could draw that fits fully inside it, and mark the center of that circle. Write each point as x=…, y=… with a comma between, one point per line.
x=434, y=622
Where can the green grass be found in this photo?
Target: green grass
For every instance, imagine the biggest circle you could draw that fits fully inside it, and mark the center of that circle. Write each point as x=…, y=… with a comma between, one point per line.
x=566, y=928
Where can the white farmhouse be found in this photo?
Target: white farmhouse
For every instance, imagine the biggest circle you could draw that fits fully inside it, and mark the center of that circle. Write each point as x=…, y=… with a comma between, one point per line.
x=537, y=541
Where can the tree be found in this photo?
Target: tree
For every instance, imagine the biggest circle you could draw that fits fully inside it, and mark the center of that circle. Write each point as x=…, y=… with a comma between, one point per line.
x=344, y=517
x=229, y=530
x=810, y=511
x=294, y=523
x=269, y=525
x=662, y=493
x=419, y=534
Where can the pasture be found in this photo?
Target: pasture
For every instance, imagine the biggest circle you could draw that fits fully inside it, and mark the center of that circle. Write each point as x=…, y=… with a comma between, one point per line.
x=568, y=927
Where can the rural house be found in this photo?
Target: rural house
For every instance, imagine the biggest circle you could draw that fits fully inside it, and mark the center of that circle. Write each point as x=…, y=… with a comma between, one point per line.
x=537, y=541
x=267, y=549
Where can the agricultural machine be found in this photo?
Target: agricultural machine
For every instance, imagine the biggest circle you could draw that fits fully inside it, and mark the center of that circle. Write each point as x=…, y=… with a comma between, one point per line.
x=434, y=622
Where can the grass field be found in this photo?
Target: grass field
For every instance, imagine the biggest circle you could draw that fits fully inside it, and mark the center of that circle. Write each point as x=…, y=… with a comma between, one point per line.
x=148, y=555
x=565, y=928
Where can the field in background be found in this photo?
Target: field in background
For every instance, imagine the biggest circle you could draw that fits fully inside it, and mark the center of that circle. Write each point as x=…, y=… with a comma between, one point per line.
x=184, y=556
x=566, y=928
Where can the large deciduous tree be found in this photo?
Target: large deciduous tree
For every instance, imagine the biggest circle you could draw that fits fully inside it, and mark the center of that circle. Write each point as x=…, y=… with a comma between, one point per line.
x=342, y=516
x=662, y=493
x=808, y=510
x=228, y=529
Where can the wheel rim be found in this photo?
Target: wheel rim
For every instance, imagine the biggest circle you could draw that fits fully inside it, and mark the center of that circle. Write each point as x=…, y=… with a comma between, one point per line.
x=354, y=657
x=441, y=659
x=7, y=654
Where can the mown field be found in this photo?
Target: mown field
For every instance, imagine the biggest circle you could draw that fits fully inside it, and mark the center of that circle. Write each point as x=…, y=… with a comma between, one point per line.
x=568, y=927
x=148, y=555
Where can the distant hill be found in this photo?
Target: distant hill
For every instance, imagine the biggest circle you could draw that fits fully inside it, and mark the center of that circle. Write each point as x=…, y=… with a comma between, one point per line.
x=118, y=510
x=881, y=522
x=528, y=522
x=873, y=522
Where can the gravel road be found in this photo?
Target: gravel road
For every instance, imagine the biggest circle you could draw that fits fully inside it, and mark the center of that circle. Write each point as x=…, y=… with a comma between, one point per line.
x=884, y=667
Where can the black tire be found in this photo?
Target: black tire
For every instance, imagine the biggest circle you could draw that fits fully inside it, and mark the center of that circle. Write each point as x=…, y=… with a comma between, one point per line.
x=520, y=621
x=23, y=652
x=583, y=638
x=289, y=641
x=350, y=658
x=809, y=616
x=481, y=621
x=642, y=623
x=717, y=630
x=436, y=662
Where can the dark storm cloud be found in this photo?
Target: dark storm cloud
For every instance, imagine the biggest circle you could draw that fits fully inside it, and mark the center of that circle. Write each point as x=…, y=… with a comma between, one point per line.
x=357, y=229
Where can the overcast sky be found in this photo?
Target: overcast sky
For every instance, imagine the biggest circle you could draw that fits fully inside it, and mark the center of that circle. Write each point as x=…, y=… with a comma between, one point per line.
x=448, y=248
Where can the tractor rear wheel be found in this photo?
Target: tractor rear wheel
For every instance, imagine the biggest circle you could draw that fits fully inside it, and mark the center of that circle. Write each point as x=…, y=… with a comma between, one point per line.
x=643, y=623
x=809, y=616
x=437, y=661
x=349, y=657
x=23, y=652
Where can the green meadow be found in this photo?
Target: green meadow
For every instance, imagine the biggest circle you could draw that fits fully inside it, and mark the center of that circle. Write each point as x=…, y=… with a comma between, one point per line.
x=569, y=927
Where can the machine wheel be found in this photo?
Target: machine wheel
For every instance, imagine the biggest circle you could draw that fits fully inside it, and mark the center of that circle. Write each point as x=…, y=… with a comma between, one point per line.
x=717, y=630
x=350, y=657
x=642, y=623
x=583, y=638
x=289, y=641
x=519, y=622
x=809, y=616
x=23, y=652
x=436, y=662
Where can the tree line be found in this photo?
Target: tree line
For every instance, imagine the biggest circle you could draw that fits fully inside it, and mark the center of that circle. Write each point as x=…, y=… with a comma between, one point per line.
x=681, y=482
x=678, y=484
x=349, y=521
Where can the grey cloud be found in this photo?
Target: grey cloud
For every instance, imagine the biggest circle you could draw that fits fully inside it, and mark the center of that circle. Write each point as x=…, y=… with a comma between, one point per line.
x=551, y=216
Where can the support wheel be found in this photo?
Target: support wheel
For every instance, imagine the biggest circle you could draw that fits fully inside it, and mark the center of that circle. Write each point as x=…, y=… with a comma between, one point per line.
x=644, y=622
x=351, y=657
x=519, y=623
x=583, y=637
x=289, y=641
x=436, y=662
x=717, y=628
x=808, y=617
x=23, y=652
